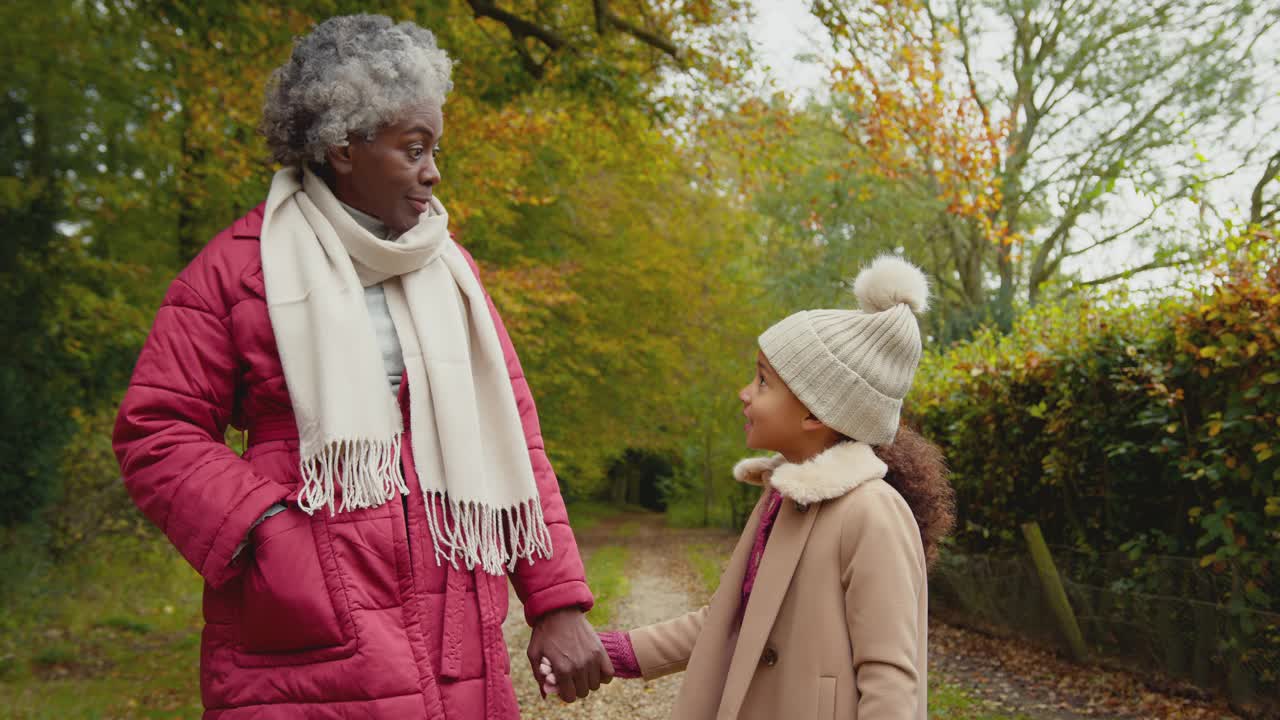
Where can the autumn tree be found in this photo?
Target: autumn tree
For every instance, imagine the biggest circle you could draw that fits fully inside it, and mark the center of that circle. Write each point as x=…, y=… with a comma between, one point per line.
x=132, y=140
x=68, y=321
x=1028, y=146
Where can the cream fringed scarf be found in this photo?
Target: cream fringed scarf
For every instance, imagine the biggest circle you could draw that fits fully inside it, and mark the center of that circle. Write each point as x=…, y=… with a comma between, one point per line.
x=468, y=443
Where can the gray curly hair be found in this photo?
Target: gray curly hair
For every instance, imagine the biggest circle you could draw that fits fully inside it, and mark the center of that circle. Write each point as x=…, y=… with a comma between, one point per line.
x=351, y=74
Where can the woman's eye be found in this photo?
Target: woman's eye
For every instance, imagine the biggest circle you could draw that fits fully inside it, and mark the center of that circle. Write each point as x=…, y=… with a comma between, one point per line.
x=435, y=151
x=415, y=152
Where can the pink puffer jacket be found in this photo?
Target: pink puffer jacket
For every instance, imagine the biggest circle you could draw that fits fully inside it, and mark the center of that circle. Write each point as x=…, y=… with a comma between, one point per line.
x=322, y=616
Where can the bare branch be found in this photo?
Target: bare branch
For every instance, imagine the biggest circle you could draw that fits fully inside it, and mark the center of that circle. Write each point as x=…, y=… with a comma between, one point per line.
x=601, y=10
x=648, y=38
x=966, y=60
x=519, y=27
x=1153, y=265
x=1086, y=114
x=1117, y=144
x=607, y=19
x=522, y=28
x=1256, y=214
x=1107, y=239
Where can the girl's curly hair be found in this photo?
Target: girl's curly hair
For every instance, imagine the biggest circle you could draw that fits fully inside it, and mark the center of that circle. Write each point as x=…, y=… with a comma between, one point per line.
x=919, y=473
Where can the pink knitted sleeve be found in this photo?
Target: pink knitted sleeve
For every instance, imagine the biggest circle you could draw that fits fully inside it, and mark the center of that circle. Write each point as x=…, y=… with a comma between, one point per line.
x=621, y=654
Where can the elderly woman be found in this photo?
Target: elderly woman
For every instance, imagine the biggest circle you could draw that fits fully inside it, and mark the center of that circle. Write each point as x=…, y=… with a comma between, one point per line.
x=356, y=557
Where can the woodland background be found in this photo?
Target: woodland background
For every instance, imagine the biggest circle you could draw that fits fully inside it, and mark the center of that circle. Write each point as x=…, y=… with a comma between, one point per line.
x=1091, y=187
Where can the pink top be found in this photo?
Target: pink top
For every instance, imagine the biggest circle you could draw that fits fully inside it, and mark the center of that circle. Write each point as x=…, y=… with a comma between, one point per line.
x=621, y=654
x=618, y=644
x=771, y=508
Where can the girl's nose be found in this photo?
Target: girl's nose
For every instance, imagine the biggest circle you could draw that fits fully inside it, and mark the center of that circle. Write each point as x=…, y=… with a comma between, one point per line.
x=743, y=396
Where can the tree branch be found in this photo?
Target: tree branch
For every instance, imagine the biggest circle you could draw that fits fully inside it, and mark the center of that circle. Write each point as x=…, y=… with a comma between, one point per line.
x=1256, y=215
x=966, y=61
x=606, y=18
x=519, y=27
x=522, y=28
x=1119, y=144
x=1153, y=265
x=1106, y=239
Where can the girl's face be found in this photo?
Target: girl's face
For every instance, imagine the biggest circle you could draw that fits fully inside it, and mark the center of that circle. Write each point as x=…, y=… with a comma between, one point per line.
x=776, y=419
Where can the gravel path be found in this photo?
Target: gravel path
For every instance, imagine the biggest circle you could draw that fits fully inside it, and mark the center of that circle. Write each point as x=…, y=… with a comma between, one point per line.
x=1013, y=679
x=663, y=586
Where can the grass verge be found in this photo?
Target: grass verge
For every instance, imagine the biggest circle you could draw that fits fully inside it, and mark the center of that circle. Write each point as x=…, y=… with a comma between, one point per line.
x=586, y=514
x=606, y=575
x=952, y=702
x=111, y=633
x=708, y=562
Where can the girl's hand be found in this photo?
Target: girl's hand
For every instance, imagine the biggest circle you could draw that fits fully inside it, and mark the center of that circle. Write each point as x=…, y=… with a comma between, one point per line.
x=549, y=688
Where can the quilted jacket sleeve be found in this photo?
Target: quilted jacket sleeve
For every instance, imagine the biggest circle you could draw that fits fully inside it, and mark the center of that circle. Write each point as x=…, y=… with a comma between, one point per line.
x=169, y=432
x=560, y=581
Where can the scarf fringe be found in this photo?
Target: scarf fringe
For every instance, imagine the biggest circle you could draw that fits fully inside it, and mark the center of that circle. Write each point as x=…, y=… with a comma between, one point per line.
x=493, y=538
x=367, y=471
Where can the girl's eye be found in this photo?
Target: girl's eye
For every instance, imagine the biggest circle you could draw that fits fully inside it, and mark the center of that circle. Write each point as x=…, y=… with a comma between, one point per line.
x=761, y=379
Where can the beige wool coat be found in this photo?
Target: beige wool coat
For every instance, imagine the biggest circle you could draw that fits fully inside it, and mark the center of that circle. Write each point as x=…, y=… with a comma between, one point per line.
x=837, y=619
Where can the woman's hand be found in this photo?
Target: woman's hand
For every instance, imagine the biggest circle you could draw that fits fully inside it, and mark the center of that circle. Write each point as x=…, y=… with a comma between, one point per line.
x=566, y=643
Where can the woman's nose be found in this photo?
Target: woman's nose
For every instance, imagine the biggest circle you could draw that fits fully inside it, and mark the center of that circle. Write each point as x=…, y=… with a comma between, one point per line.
x=430, y=173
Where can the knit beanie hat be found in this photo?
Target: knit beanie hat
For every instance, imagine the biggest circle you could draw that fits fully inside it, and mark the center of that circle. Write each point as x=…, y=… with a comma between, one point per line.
x=851, y=368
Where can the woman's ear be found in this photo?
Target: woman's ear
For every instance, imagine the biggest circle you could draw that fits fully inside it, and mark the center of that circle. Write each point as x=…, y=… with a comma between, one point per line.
x=339, y=157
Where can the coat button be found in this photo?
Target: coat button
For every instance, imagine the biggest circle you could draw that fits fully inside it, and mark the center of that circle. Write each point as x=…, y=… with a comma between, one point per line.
x=770, y=657
x=802, y=507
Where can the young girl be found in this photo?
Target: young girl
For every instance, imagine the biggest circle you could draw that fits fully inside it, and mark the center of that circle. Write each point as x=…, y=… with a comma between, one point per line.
x=821, y=612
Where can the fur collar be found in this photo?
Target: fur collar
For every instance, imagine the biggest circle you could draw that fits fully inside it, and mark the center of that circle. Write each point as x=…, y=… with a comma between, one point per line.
x=829, y=475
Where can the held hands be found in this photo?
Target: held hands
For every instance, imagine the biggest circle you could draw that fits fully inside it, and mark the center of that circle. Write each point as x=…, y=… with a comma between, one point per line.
x=548, y=678
x=567, y=657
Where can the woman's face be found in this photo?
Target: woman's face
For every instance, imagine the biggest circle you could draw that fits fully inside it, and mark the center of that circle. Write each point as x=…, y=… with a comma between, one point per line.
x=393, y=175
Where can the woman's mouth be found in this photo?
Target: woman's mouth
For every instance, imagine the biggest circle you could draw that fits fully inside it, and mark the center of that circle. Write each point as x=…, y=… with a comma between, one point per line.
x=419, y=205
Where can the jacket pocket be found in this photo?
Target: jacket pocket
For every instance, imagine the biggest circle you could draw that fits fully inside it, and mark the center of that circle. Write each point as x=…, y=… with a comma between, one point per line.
x=826, y=698
x=293, y=607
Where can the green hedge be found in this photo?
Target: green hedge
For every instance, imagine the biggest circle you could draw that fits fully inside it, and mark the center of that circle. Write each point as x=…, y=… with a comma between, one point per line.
x=1152, y=429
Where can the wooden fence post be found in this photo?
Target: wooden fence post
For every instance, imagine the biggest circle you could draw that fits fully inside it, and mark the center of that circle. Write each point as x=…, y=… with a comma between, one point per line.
x=1054, y=592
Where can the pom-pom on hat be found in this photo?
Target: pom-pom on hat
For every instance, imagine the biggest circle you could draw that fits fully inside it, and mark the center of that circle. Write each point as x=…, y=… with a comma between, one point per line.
x=852, y=368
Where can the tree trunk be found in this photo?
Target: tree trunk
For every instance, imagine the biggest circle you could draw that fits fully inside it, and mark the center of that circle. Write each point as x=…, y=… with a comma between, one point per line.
x=186, y=246
x=707, y=478
x=1008, y=286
